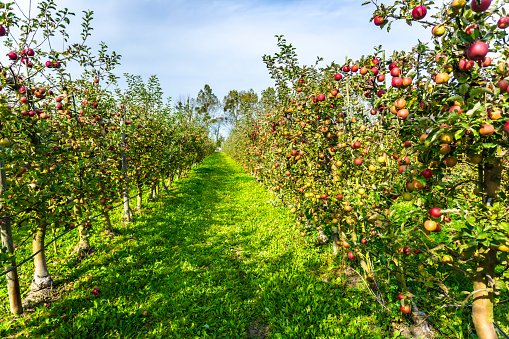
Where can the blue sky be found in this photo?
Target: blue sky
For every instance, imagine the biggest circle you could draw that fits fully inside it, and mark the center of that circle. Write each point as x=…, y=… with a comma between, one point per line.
x=188, y=44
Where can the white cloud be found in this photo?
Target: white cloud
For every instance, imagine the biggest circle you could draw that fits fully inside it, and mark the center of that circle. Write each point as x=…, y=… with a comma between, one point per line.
x=192, y=43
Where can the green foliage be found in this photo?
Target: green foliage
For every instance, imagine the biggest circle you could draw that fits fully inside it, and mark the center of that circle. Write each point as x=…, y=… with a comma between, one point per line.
x=212, y=259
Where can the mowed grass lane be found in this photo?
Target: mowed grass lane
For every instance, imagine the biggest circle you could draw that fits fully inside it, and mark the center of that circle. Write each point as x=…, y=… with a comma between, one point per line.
x=212, y=259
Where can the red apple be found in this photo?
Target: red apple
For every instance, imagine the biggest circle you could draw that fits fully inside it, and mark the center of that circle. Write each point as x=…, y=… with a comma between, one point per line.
x=487, y=129
x=13, y=56
x=351, y=255
x=477, y=50
x=403, y=114
x=435, y=212
x=405, y=308
x=2, y=31
x=96, y=291
x=503, y=85
x=465, y=64
x=338, y=77
x=407, y=81
x=395, y=72
x=321, y=97
x=484, y=4
x=427, y=173
x=503, y=22
x=378, y=21
x=419, y=12
x=397, y=82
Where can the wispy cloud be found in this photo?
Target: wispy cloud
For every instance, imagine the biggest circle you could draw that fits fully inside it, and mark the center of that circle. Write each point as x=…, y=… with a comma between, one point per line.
x=192, y=43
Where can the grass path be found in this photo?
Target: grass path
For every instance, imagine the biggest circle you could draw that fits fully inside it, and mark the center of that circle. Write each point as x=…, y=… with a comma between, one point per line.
x=211, y=259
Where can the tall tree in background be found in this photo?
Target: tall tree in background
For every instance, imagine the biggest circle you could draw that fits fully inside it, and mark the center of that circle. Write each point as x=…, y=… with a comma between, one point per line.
x=186, y=107
x=239, y=104
x=215, y=128
x=208, y=105
x=232, y=106
x=207, y=102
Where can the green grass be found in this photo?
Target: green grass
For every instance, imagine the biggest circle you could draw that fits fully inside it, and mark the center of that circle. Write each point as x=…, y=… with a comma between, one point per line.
x=213, y=258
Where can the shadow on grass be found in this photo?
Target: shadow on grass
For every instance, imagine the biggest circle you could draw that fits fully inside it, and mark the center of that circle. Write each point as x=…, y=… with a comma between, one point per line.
x=213, y=259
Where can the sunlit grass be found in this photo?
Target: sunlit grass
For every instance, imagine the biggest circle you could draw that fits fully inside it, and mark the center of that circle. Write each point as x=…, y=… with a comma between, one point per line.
x=212, y=259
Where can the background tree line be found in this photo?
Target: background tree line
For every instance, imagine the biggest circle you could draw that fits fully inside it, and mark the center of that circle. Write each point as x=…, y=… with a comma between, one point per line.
x=221, y=117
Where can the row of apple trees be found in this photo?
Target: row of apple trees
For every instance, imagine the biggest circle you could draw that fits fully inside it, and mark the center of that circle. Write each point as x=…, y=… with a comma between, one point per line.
x=72, y=148
x=406, y=173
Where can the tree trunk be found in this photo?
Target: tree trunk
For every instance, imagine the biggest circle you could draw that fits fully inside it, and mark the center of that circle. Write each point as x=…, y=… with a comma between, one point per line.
x=170, y=179
x=153, y=193
x=128, y=217
x=42, y=278
x=165, y=188
x=139, y=198
x=335, y=240
x=13, y=289
x=108, y=228
x=321, y=238
x=482, y=308
x=83, y=246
